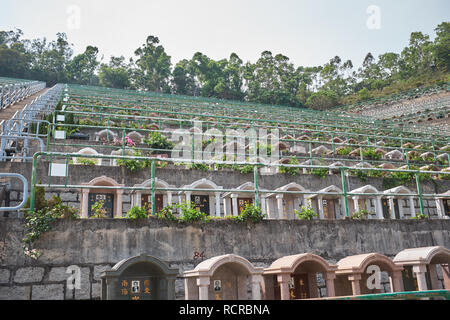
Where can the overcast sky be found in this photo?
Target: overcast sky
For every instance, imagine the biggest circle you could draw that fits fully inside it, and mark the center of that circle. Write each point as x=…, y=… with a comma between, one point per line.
x=308, y=32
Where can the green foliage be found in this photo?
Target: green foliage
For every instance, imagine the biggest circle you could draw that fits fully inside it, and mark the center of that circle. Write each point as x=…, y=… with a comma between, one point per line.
x=156, y=140
x=291, y=170
x=272, y=79
x=136, y=213
x=344, y=151
x=322, y=100
x=360, y=214
x=420, y=216
x=191, y=214
x=98, y=210
x=46, y=212
x=133, y=164
x=250, y=213
x=245, y=169
x=167, y=213
x=370, y=153
x=320, y=172
x=86, y=161
x=305, y=213
x=198, y=166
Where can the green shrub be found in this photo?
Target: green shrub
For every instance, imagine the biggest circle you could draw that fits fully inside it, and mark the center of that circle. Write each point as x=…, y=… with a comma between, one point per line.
x=305, y=213
x=248, y=168
x=344, y=151
x=420, y=216
x=156, y=140
x=167, y=214
x=190, y=214
x=136, y=213
x=360, y=214
x=320, y=172
x=250, y=213
x=40, y=221
x=98, y=210
x=86, y=161
x=291, y=170
x=370, y=153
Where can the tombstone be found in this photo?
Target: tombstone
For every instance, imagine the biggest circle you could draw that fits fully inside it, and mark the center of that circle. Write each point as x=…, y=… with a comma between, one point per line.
x=107, y=198
x=201, y=203
x=146, y=202
x=141, y=277
x=136, y=137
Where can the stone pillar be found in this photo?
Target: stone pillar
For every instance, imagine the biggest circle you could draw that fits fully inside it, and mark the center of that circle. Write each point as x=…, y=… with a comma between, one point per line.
x=283, y=280
x=203, y=285
x=85, y=203
x=235, y=204
x=263, y=204
x=356, y=289
x=256, y=286
x=397, y=281
x=280, y=206
x=356, y=203
x=217, y=194
x=320, y=207
x=242, y=293
x=330, y=276
x=379, y=208
x=226, y=209
x=420, y=271
x=391, y=207
x=188, y=196
x=433, y=277
x=169, y=198
x=440, y=208
x=446, y=275
x=136, y=199
x=118, y=207
x=400, y=209
x=412, y=210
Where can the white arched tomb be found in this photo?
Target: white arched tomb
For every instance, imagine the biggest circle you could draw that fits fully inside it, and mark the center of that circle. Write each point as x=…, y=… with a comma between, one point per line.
x=214, y=194
x=87, y=151
x=366, y=202
x=98, y=182
x=137, y=196
x=325, y=205
x=400, y=194
x=282, y=206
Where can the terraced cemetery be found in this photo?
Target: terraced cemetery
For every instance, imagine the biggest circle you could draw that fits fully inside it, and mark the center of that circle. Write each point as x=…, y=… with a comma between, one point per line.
x=361, y=163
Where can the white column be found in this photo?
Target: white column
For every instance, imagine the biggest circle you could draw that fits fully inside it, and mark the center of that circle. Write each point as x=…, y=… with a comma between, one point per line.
x=225, y=207
x=379, y=208
x=391, y=207
x=256, y=286
x=356, y=203
x=341, y=207
x=412, y=210
x=420, y=271
x=235, y=204
x=217, y=204
x=85, y=203
x=280, y=206
x=433, y=277
x=263, y=204
x=400, y=208
x=203, y=284
x=440, y=208
x=320, y=207
x=188, y=196
x=118, y=208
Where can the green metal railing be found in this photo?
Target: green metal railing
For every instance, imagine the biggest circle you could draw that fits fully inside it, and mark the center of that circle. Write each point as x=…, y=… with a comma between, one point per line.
x=343, y=170
x=407, y=295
